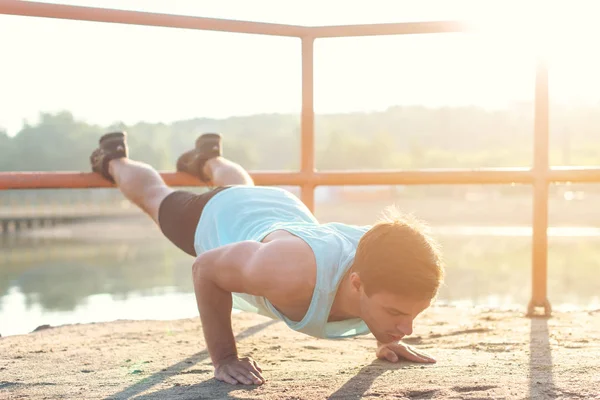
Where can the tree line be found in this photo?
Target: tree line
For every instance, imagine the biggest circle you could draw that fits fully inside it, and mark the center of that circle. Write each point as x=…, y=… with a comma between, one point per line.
x=399, y=137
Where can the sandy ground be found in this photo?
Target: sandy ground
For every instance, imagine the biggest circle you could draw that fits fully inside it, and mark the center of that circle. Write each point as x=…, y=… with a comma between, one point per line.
x=481, y=355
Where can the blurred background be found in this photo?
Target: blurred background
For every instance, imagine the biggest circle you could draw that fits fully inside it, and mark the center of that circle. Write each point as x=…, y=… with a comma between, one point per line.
x=400, y=102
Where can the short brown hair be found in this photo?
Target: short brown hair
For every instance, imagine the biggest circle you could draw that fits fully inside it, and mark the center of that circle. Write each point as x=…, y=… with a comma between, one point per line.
x=398, y=256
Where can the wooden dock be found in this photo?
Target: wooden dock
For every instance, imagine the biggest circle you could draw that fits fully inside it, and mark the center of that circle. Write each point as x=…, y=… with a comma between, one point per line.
x=16, y=219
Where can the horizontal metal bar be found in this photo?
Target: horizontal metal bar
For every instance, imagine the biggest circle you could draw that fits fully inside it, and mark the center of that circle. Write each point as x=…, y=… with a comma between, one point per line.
x=574, y=174
x=79, y=180
x=61, y=11
x=95, y=14
x=430, y=176
x=76, y=180
x=402, y=28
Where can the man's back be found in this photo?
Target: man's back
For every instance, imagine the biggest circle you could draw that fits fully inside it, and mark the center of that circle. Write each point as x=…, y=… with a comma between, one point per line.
x=263, y=214
x=247, y=213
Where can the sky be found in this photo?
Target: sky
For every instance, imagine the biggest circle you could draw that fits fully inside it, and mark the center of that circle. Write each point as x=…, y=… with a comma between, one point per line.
x=104, y=73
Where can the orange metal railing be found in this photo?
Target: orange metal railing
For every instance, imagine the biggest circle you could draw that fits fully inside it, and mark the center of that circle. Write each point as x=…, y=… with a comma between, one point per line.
x=540, y=176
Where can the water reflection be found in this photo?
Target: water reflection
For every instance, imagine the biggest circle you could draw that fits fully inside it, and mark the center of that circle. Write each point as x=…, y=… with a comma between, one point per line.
x=58, y=275
x=47, y=280
x=495, y=271
x=71, y=280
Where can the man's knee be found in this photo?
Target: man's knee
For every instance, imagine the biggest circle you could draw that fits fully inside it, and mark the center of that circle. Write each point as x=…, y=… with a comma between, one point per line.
x=152, y=198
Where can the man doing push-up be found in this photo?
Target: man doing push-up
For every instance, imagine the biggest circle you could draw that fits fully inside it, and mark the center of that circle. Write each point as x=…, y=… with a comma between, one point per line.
x=260, y=249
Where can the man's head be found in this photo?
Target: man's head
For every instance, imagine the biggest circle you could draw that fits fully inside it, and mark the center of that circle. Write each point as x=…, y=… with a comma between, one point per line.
x=396, y=275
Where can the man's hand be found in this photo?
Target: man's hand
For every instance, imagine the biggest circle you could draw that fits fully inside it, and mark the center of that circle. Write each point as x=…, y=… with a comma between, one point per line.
x=239, y=370
x=392, y=352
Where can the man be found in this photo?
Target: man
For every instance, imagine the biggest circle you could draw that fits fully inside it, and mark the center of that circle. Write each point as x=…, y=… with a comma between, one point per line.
x=260, y=249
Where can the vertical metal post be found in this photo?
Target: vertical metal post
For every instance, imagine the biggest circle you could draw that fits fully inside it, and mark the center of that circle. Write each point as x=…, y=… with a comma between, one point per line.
x=308, y=122
x=539, y=297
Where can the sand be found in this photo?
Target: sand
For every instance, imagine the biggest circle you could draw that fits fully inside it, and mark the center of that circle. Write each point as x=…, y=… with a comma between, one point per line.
x=481, y=354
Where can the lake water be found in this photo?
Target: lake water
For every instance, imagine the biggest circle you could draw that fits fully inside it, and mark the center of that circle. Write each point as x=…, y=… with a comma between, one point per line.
x=66, y=278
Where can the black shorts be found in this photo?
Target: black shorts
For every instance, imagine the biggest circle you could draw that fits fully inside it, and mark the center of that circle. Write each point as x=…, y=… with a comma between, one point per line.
x=178, y=216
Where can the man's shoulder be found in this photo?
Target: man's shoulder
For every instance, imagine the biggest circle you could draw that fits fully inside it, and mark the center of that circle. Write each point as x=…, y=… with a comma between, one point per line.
x=289, y=268
x=292, y=247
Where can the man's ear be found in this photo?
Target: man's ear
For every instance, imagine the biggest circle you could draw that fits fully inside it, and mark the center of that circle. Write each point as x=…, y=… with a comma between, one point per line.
x=355, y=281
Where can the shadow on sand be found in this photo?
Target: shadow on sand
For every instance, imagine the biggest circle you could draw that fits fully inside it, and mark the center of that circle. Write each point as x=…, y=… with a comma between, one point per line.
x=360, y=383
x=541, y=380
x=175, y=369
x=354, y=388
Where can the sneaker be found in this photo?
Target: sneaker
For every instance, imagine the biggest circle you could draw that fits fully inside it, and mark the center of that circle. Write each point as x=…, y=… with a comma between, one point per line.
x=112, y=145
x=192, y=162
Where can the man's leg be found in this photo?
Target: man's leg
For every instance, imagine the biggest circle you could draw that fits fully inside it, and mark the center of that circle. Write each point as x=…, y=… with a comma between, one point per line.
x=142, y=185
x=223, y=172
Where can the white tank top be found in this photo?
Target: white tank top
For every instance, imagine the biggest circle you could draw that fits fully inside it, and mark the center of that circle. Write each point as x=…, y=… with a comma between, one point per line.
x=251, y=213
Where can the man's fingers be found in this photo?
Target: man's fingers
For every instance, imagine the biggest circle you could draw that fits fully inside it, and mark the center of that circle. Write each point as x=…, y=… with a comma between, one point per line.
x=407, y=353
x=241, y=378
x=425, y=355
x=258, y=375
x=256, y=379
x=240, y=371
x=421, y=354
x=392, y=352
x=228, y=379
x=388, y=355
x=391, y=356
x=255, y=371
x=256, y=366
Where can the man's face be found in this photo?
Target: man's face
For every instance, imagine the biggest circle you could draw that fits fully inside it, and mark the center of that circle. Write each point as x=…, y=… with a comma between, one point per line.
x=390, y=316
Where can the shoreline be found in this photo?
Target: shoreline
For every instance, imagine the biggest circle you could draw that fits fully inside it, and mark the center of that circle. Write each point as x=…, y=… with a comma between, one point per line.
x=192, y=312
x=515, y=309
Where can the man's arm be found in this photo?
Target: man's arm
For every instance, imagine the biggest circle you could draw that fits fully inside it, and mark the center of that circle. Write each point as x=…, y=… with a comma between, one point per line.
x=216, y=275
x=246, y=267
